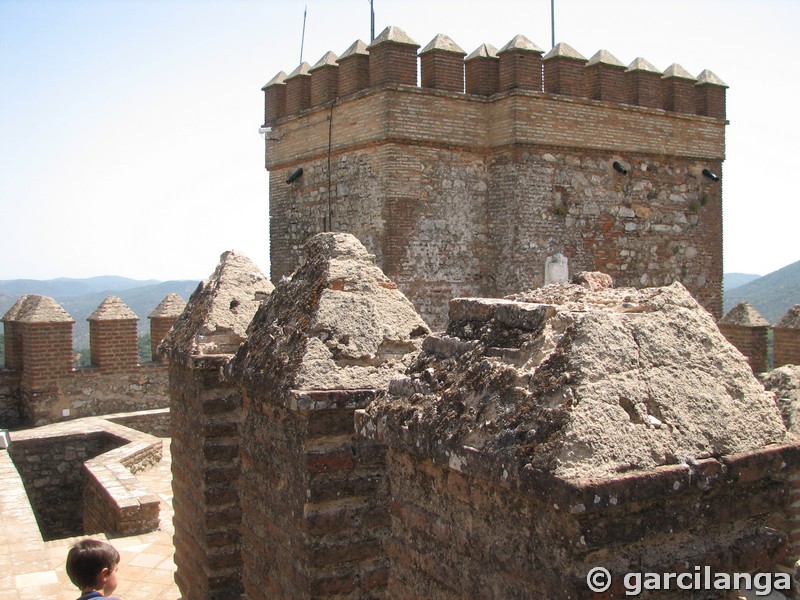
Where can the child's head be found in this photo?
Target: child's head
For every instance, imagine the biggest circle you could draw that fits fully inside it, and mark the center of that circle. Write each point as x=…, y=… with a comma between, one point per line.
x=92, y=565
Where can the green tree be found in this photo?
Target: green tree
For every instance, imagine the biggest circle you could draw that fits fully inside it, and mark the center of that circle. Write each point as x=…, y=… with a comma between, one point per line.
x=82, y=358
x=2, y=349
x=144, y=348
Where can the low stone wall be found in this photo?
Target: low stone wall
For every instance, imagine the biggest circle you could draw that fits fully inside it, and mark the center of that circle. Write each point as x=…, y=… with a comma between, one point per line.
x=51, y=461
x=9, y=398
x=155, y=422
x=50, y=467
x=88, y=392
x=112, y=502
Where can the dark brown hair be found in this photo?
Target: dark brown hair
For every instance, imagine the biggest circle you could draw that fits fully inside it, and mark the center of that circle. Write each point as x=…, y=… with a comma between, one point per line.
x=87, y=559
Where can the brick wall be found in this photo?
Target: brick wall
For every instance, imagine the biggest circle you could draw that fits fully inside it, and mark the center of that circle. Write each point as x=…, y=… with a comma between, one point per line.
x=542, y=541
x=750, y=341
x=786, y=344
x=316, y=501
x=46, y=353
x=114, y=344
x=206, y=414
x=159, y=328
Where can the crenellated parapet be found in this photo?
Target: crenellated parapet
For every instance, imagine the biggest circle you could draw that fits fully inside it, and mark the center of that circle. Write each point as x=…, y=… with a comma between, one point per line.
x=39, y=361
x=393, y=58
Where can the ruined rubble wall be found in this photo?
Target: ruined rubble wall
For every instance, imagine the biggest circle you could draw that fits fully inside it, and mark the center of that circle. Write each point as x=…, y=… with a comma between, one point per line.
x=620, y=418
x=314, y=497
x=448, y=526
x=206, y=410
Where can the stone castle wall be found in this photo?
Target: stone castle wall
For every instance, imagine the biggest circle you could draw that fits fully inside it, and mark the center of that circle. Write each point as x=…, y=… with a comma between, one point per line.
x=39, y=384
x=465, y=194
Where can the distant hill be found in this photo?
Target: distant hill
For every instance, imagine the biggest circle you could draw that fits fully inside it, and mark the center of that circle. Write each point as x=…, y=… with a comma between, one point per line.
x=80, y=297
x=771, y=295
x=733, y=280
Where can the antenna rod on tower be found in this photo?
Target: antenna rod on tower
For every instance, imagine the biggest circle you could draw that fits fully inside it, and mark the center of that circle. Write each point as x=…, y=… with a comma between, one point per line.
x=303, y=38
x=553, y=23
x=371, y=20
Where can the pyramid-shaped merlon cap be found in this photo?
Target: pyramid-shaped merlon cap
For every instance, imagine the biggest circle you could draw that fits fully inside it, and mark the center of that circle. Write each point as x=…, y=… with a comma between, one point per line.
x=335, y=318
x=42, y=309
x=744, y=315
x=356, y=48
x=442, y=42
x=483, y=51
x=563, y=50
x=791, y=320
x=113, y=309
x=395, y=35
x=170, y=307
x=300, y=71
x=677, y=71
x=709, y=78
x=13, y=312
x=604, y=57
x=520, y=42
x=216, y=317
x=640, y=64
x=327, y=60
x=279, y=79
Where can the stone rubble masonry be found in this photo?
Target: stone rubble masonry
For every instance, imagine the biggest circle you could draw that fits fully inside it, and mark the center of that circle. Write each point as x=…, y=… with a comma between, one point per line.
x=746, y=329
x=79, y=477
x=206, y=412
x=784, y=383
x=40, y=384
x=162, y=318
x=468, y=194
x=786, y=340
x=315, y=498
x=566, y=428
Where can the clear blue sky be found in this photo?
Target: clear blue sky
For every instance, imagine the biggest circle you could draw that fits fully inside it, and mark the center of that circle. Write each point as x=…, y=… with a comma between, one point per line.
x=129, y=137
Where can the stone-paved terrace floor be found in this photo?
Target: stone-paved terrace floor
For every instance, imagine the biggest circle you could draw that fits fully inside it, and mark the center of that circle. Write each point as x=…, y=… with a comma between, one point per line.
x=31, y=569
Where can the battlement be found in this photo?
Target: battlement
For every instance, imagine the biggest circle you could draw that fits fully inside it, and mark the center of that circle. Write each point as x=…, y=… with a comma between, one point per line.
x=39, y=361
x=393, y=58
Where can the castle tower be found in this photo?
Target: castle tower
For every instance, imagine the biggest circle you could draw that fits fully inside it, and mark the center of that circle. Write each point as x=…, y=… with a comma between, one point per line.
x=786, y=340
x=162, y=318
x=113, y=337
x=206, y=412
x=747, y=330
x=470, y=194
